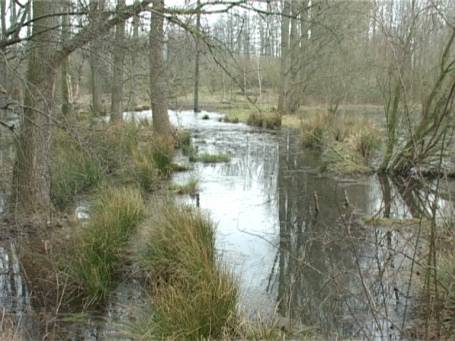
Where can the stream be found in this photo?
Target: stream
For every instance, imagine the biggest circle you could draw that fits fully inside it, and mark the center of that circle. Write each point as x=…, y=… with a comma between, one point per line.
x=294, y=237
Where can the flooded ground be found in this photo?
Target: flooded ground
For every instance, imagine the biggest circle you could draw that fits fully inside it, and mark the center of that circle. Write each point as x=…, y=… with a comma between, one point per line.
x=295, y=238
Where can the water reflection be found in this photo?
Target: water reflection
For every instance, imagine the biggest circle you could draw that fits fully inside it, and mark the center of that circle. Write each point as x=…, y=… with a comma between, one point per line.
x=296, y=238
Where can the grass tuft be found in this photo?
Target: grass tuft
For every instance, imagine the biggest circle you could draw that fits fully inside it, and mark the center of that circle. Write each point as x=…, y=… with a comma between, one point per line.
x=98, y=251
x=209, y=158
x=162, y=153
x=264, y=120
x=74, y=170
x=188, y=188
x=194, y=298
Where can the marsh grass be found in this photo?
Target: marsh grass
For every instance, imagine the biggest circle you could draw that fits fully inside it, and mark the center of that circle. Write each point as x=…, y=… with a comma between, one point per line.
x=162, y=153
x=73, y=169
x=269, y=120
x=98, y=251
x=446, y=278
x=190, y=187
x=313, y=129
x=144, y=170
x=209, y=158
x=193, y=296
x=183, y=138
x=113, y=143
x=348, y=143
x=442, y=301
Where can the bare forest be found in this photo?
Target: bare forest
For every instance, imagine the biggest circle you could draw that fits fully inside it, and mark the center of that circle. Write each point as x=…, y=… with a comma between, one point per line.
x=227, y=169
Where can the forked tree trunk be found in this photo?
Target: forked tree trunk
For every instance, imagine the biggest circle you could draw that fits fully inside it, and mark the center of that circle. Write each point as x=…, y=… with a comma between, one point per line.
x=31, y=191
x=119, y=57
x=31, y=180
x=158, y=86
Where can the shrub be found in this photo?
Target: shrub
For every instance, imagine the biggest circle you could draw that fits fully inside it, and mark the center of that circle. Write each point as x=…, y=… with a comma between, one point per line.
x=99, y=247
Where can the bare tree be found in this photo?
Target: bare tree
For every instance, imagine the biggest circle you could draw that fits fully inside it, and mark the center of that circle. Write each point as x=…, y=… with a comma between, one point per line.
x=31, y=183
x=158, y=86
x=284, y=68
x=95, y=12
x=119, y=57
x=65, y=76
x=196, y=59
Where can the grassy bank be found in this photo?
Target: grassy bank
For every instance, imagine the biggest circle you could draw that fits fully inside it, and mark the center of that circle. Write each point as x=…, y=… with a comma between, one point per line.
x=98, y=252
x=348, y=144
x=194, y=296
x=94, y=153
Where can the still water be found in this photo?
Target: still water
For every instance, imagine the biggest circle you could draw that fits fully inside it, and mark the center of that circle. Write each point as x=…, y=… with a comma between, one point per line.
x=296, y=238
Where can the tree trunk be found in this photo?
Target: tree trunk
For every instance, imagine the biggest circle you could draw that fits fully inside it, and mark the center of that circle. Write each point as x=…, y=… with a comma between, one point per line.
x=196, y=60
x=158, y=86
x=119, y=57
x=65, y=81
x=31, y=178
x=31, y=191
x=3, y=18
x=134, y=54
x=294, y=62
x=96, y=7
x=284, y=68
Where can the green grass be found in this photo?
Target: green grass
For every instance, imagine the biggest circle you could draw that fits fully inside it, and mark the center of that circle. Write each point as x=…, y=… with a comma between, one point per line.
x=144, y=169
x=176, y=167
x=267, y=120
x=210, y=158
x=73, y=169
x=98, y=252
x=193, y=296
x=348, y=144
x=162, y=153
x=189, y=188
x=183, y=138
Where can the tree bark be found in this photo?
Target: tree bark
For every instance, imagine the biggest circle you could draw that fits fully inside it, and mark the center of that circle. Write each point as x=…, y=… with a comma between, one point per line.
x=134, y=54
x=3, y=18
x=65, y=81
x=96, y=8
x=158, y=86
x=31, y=191
x=31, y=178
x=196, y=60
x=284, y=68
x=119, y=57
